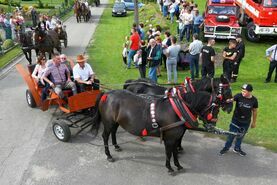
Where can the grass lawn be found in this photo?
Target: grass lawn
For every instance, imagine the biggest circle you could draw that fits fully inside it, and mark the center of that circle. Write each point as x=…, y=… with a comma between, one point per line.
x=105, y=58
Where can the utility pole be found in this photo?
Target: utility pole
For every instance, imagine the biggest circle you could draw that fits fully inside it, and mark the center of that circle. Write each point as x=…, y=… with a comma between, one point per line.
x=136, y=17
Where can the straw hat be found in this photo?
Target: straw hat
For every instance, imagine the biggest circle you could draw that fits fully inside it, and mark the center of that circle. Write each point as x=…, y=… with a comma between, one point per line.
x=81, y=58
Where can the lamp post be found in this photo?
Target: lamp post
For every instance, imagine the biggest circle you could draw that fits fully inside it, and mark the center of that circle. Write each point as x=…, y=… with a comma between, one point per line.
x=136, y=16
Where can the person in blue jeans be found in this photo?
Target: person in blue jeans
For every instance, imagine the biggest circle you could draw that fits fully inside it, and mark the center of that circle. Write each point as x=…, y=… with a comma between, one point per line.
x=153, y=57
x=246, y=108
x=194, y=52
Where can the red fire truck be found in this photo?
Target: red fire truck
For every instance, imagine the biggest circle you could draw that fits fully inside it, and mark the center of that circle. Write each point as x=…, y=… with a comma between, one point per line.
x=221, y=19
x=259, y=16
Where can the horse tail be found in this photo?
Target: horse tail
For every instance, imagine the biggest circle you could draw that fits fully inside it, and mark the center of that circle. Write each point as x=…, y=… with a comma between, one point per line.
x=97, y=117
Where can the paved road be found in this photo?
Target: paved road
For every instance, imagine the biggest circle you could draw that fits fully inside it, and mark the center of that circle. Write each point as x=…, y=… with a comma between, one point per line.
x=31, y=155
x=22, y=127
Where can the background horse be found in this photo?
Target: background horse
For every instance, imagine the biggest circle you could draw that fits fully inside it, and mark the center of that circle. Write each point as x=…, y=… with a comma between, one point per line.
x=77, y=11
x=47, y=41
x=85, y=12
x=26, y=43
x=132, y=113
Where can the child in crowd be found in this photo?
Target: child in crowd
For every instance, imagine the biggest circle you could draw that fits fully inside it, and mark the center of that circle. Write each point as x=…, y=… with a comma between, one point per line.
x=125, y=53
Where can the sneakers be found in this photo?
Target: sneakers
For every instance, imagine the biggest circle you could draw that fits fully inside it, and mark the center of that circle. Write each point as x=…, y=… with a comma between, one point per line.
x=223, y=151
x=239, y=151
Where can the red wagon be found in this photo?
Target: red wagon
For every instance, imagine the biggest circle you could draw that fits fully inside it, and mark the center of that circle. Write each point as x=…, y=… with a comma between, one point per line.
x=78, y=109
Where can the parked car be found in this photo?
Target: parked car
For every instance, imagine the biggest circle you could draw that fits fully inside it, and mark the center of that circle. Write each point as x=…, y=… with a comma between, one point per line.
x=130, y=5
x=119, y=9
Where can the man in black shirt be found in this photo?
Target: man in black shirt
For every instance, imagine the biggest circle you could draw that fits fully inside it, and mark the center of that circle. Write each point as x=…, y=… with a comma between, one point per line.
x=241, y=51
x=229, y=55
x=246, y=107
x=208, y=59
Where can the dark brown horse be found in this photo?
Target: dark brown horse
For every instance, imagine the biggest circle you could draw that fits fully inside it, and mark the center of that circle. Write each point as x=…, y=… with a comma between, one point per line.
x=215, y=86
x=140, y=116
x=45, y=42
x=60, y=30
x=26, y=43
x=80, y=11
x=211, y=85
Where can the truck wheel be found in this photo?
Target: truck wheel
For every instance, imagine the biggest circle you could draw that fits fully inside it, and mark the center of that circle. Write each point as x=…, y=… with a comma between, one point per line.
x=30, y=99
x=250, y=34
x=61, y=130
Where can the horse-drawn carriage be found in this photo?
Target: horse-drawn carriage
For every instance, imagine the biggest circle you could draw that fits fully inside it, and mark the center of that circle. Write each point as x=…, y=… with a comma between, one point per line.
x=167, y=116
x=78, y=108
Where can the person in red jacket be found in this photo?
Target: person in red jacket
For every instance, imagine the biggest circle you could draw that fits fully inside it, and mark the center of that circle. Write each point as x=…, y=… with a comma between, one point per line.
x=134, y=46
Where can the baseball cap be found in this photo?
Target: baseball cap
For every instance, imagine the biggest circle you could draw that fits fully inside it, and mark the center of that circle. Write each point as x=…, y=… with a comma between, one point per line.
x=247, y=87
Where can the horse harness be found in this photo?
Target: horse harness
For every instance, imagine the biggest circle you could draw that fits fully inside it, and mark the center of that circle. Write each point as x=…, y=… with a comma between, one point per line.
x=179, y=107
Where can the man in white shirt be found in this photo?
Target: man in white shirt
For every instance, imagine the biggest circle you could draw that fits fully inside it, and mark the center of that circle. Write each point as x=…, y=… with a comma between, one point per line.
x=84, y=75
x=194, y=51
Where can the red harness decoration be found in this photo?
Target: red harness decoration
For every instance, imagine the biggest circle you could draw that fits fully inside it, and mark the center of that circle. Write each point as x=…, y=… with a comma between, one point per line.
x=190, y=121
x=104, y=98
x=188, y=81
x=144, y=132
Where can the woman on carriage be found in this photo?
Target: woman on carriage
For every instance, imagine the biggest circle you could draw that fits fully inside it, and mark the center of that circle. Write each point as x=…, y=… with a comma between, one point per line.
x=39, y=70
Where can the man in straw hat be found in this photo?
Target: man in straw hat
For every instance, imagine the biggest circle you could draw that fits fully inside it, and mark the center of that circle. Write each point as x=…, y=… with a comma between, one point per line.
x=84, y=75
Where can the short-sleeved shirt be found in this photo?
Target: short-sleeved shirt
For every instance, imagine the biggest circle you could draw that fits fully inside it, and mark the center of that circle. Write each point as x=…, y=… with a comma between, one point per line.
x=244, y=107
x=229, y=53
x=173, y=52
x=195, y=47
x=58, y=73
x=82, y=73
x=135, y=38
x=207, y=52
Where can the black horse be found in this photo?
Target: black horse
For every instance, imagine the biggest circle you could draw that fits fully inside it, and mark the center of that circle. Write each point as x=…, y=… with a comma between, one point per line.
x=46, y=41
x=134, y=113
x=26, y=43
x=217, y=86
x=211, y=85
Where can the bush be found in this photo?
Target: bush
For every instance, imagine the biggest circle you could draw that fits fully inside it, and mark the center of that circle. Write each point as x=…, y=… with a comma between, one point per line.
x=7, y=44
x=40, y=4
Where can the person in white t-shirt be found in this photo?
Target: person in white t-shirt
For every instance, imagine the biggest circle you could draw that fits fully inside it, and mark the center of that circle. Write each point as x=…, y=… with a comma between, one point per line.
x=84, y=75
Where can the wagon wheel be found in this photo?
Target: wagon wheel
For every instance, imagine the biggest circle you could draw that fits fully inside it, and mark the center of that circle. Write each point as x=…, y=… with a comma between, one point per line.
x=61, y=130
x=30, y=99
x=65, y=40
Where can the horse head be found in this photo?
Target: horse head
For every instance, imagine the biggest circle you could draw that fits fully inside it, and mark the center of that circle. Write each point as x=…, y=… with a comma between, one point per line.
x=203, y=104
x=39, y=35
x=26, y=39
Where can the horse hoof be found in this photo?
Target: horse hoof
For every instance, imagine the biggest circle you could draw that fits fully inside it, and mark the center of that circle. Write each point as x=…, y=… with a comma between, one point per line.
x=180, y=149
x=117, y=149
x=180, y=168
x=110, y=159
x=170, y=172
